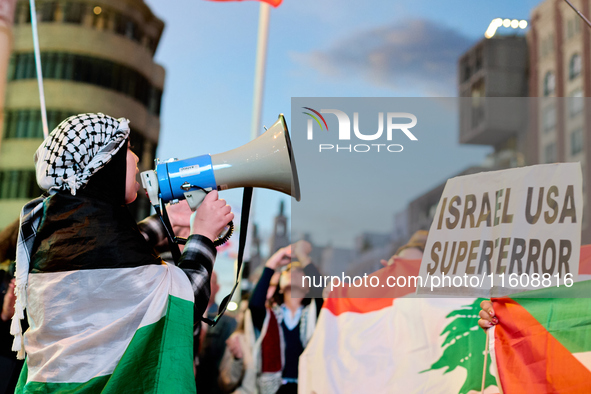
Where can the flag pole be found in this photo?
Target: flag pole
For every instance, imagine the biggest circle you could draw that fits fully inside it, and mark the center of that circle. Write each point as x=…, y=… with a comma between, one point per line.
x=259, y=73
x=38, y=65
x=257, y=106
x=482, y=386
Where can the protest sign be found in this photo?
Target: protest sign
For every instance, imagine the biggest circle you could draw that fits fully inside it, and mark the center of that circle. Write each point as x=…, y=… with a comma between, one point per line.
x=498, y=232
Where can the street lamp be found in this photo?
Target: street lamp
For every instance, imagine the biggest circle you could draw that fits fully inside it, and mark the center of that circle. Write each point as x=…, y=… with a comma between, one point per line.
x=509, y=23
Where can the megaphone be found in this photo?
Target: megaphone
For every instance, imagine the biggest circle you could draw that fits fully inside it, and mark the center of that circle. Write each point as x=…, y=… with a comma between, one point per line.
x=266, y=162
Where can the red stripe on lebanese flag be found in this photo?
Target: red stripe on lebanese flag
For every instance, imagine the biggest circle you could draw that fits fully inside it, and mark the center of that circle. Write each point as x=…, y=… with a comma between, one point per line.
x=364, y=300
x=530, y=359
x=274, y=3
x=370, y=299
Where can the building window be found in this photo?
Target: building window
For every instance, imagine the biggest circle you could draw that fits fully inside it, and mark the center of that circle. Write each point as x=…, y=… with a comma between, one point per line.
x=22, y=123
x=549, y=83
x=155, y=100
x=74, y=13
x=46, y=11
x=550, y=153
x=478, y=60
x=549, y=118
x=26, y=123
x=576, y=103
x=137, y=142
x=10, y=124
x=478, y=94
x=466, y=71
x=575, y=65
x=576, y=141
x=573, y=27
x=91, y=70
x=125, y=26
x=18, y=184
x=22, y=13
x=547, y=45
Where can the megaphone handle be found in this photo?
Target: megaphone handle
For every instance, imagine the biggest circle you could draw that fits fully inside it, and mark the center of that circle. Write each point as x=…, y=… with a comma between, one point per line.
x=195, y=198
x=225, y=235
x=150, y=184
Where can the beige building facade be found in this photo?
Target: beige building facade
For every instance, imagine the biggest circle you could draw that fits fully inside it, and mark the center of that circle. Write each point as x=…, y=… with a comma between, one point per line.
x=560, y=79
x=7, y=10
x=551, y=66
x=96, y=57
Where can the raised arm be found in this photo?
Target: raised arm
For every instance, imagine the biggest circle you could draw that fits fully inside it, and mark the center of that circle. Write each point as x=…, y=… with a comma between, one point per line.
x=259, y=296
x=180, y=218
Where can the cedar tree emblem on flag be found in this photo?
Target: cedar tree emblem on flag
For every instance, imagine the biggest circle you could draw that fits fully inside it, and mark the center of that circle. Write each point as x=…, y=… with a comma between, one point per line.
x=464, y=346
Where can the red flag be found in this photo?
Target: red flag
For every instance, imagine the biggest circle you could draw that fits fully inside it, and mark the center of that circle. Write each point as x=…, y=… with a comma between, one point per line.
x=541, y=344
x=274, y=3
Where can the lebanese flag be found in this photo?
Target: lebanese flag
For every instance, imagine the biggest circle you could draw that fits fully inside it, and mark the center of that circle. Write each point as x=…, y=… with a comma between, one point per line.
x=274, y=3
x=543, y=345
x=434, y=345
x=396, y=344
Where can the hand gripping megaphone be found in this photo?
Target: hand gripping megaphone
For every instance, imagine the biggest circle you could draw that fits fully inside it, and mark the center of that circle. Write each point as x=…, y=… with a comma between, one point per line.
x=267, y=162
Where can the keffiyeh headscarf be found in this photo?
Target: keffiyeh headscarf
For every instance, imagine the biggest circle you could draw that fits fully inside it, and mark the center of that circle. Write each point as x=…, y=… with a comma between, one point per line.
x=74, y=151
x=77, y=148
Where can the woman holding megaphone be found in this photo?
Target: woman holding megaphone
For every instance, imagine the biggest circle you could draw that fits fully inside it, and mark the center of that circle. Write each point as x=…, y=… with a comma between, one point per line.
x=101, y=303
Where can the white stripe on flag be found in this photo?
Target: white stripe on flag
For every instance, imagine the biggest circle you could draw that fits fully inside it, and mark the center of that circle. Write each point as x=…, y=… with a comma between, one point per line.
x=383, y=351
x=82, y=321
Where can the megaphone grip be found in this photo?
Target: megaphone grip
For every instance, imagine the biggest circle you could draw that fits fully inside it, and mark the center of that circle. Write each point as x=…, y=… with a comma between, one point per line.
x=228, y=233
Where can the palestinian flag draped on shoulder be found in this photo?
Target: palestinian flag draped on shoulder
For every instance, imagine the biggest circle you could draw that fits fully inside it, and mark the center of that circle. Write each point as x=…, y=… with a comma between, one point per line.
x=106, y=314
x=142, y=344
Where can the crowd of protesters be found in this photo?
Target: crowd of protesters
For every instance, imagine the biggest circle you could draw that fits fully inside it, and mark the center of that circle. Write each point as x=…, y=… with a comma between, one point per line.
x=255, y=351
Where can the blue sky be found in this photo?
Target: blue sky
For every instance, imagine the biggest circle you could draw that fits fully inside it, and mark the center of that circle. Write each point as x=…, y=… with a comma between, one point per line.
x=321, y=48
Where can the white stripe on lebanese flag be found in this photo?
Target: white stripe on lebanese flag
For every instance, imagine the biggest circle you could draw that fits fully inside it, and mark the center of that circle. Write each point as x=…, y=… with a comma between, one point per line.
x=73, y=337
x=401, y=345
x=390, y=350
x=394, y=345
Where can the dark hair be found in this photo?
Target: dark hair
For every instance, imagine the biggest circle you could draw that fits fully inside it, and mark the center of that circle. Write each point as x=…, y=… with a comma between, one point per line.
x=278, y=299
x=8, y=240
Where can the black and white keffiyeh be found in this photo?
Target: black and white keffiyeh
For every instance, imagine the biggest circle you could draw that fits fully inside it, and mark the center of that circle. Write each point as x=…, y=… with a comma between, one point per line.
x=75, y=150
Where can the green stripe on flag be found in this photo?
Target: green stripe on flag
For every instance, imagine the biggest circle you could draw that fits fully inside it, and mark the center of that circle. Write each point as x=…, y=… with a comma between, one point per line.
x=92, y=386
x=567, y=319
x=159, y=359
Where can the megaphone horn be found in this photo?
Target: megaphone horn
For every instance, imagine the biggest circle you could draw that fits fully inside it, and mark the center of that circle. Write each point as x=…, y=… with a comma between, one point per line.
x=267, y=162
